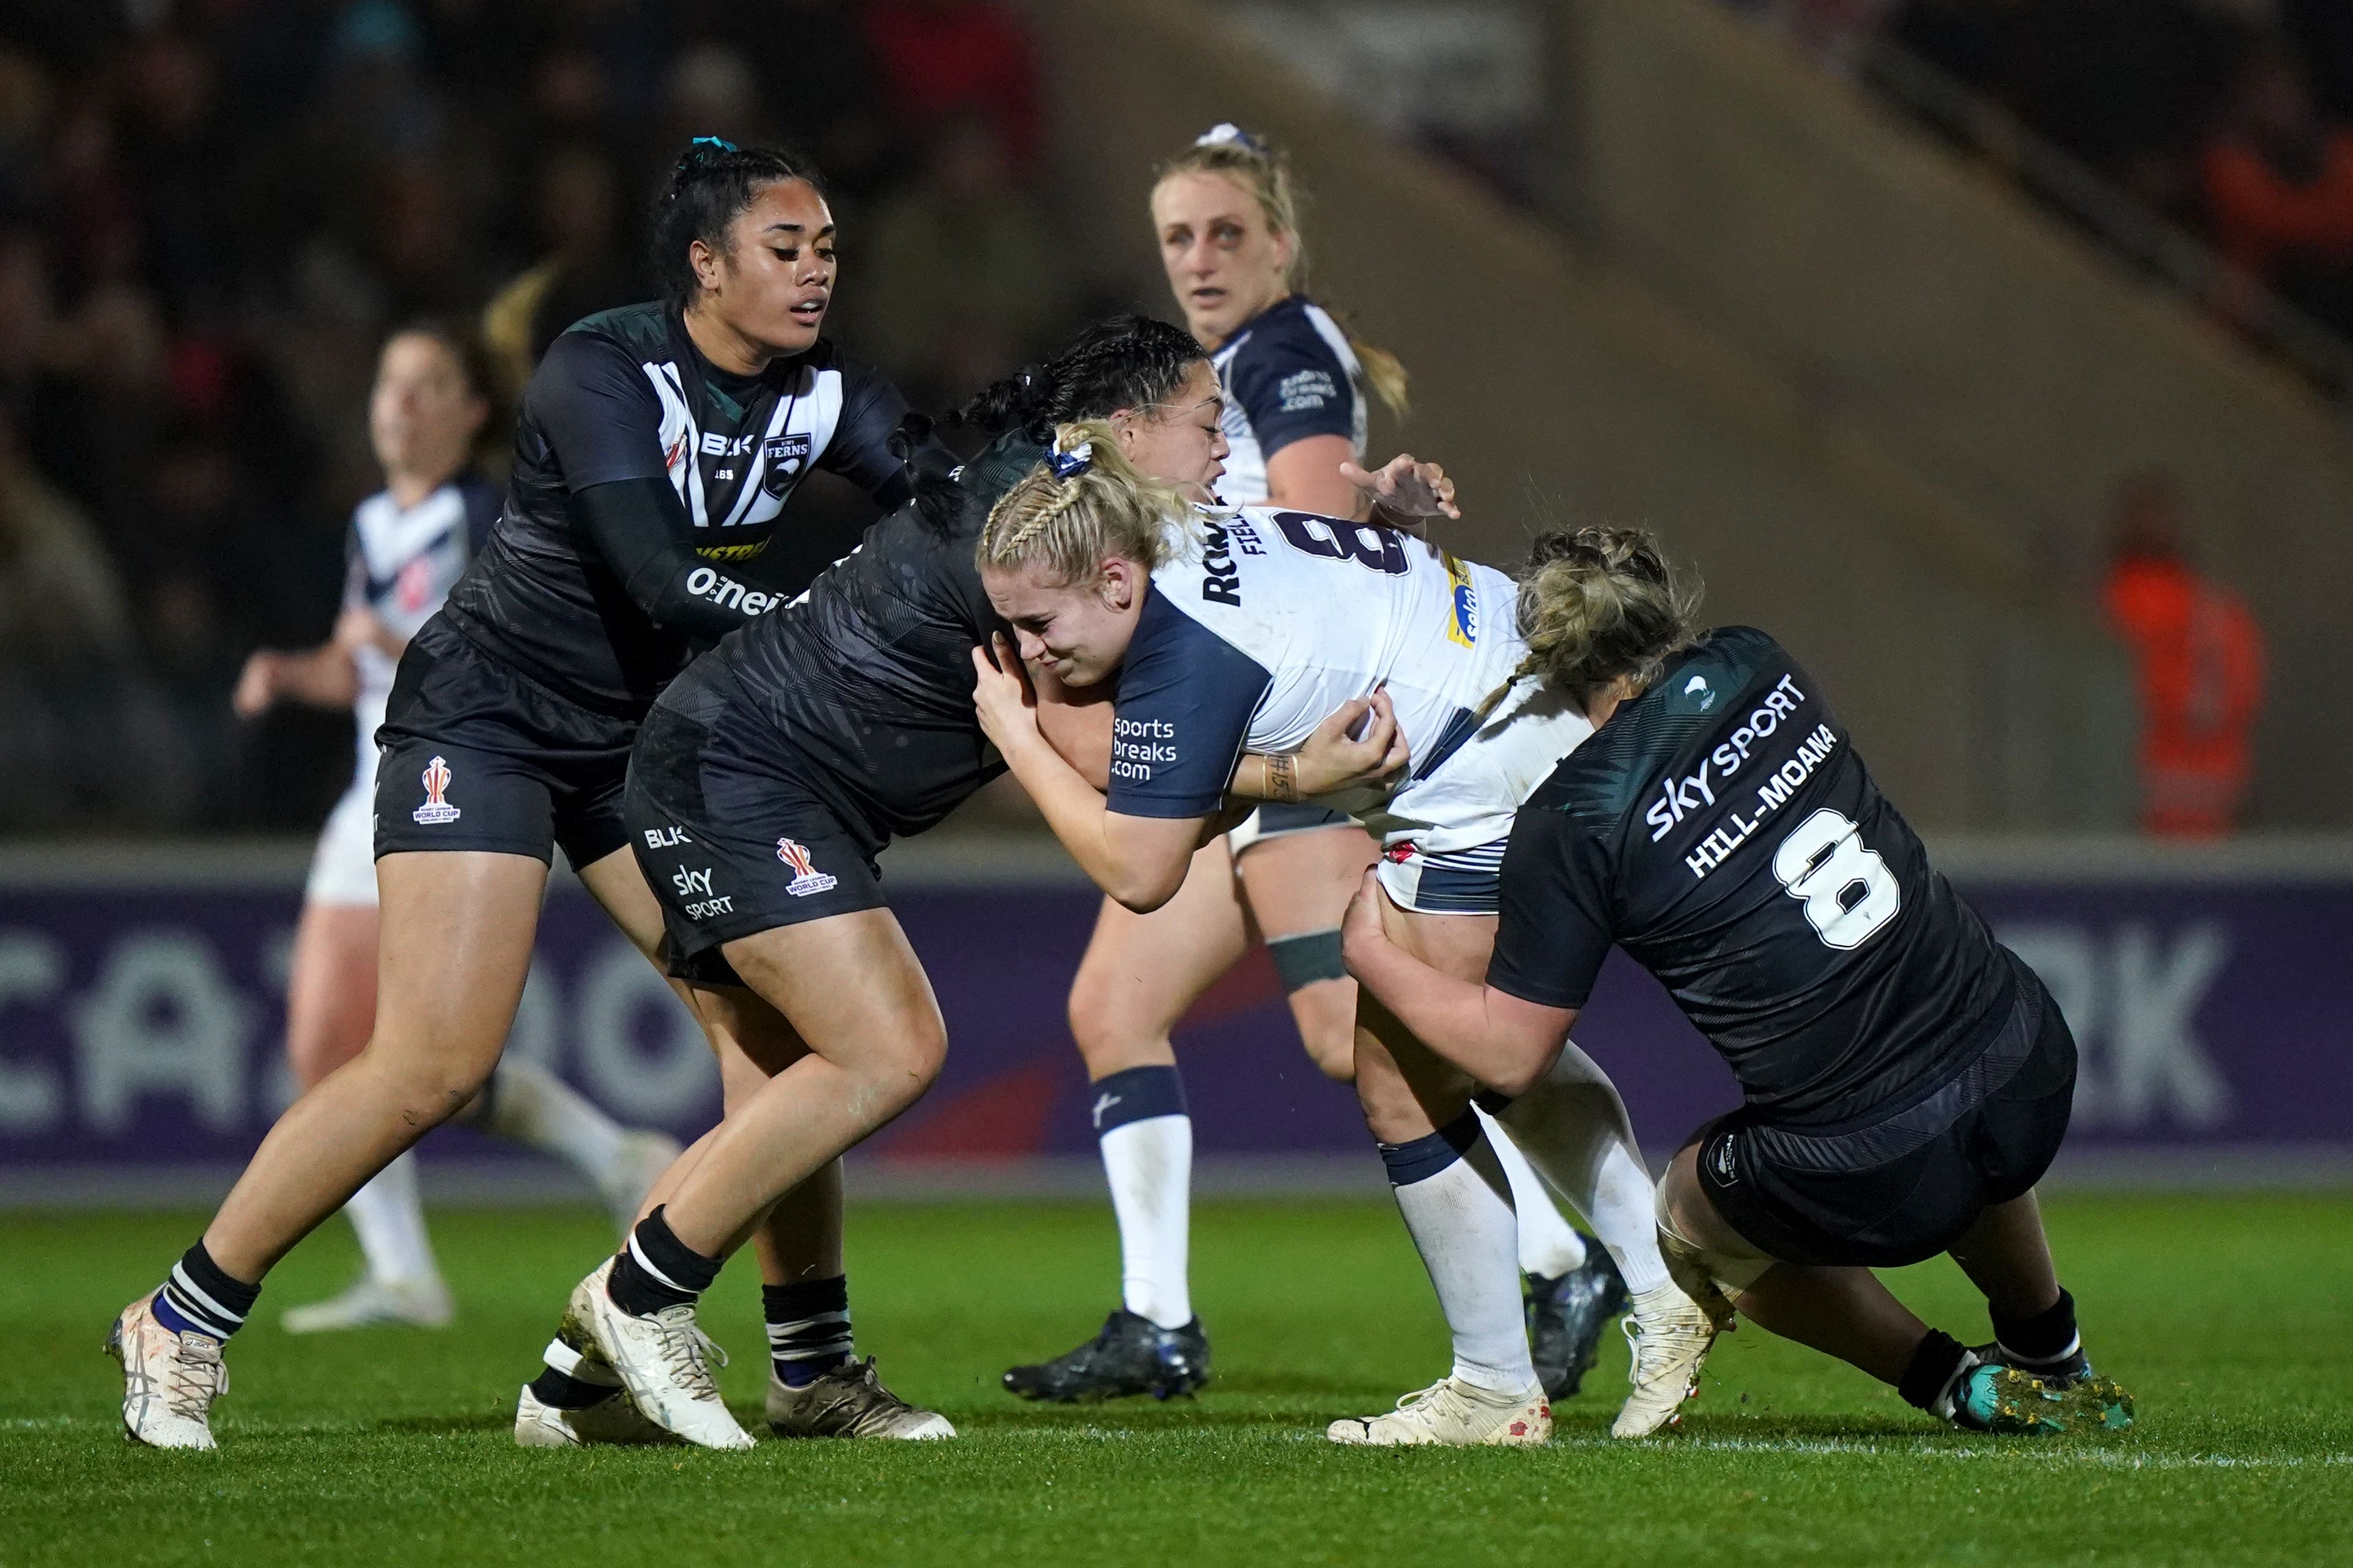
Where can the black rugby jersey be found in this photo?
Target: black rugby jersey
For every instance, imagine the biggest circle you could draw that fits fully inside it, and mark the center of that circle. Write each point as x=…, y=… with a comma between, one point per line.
x=1721, y=828
x=866, y=680
x=624, y=395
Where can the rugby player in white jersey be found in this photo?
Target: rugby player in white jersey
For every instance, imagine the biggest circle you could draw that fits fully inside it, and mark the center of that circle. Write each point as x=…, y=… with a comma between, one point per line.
x=408, y=544
x=1225, y=213
x=1234, y=632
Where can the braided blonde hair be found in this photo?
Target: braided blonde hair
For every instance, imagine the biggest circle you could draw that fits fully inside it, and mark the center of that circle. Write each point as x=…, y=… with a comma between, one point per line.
x=1070, y=525
x=1262, y=168
x=1600, y=603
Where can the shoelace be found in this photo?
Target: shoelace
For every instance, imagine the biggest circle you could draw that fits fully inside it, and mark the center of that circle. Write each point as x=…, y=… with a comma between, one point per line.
x=1430, y=1403
x=194, y=1377
x=689, y=1351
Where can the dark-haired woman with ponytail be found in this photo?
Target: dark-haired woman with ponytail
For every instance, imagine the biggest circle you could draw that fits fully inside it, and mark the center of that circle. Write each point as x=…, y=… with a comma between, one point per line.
x=768, y=779
x=1225, y=212
x=657, y=445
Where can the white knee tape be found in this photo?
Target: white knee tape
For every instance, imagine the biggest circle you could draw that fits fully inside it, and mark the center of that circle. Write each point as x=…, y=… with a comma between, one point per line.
x=1694, y=1266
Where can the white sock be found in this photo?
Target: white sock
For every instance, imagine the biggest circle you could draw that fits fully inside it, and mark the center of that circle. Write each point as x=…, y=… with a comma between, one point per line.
x=1549, y=1244
x=532, y=1105
x=1460, y=1215
x=390, y=1218
x=1150, y=1163
x=1574, y=1130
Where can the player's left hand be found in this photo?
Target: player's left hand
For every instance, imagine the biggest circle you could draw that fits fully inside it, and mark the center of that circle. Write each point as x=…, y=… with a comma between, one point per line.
x=1404, y=488
x=1001, y=694
x=1361, y=927
x=1359, y=744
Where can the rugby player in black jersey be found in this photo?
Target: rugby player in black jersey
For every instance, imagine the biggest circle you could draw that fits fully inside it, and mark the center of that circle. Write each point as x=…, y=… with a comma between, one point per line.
x=767, y=780
x=656, y=447
x=1907, y=1078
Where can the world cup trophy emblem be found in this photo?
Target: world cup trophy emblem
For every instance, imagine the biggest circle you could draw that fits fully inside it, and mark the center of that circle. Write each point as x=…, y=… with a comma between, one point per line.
x=807, y=878
x=434, y=809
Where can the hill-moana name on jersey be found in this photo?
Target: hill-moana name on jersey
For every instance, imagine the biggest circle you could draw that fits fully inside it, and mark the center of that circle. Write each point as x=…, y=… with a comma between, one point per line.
x=1689, y=793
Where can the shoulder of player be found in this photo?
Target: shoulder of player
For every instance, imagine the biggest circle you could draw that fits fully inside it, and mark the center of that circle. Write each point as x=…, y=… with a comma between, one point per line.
x=1189, y=607
x=1700, y=690
x=1284, y=337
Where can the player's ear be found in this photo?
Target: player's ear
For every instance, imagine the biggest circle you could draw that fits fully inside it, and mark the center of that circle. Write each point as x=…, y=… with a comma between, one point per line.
x=1117, y=582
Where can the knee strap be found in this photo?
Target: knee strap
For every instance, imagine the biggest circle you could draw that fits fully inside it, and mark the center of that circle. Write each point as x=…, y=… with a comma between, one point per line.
x=1310, y=956
x=1700, y=1272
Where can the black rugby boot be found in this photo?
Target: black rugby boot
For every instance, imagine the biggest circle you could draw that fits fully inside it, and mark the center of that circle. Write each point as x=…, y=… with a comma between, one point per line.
x=1132, y=1355
x=1566, y=1317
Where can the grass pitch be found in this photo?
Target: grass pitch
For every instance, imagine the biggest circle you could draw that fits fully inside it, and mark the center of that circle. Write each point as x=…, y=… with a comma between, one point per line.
x=2228, y=1318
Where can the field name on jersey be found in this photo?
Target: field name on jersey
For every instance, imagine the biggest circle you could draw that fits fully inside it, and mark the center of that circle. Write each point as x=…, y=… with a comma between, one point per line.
x=1138, y=746
x=728, y=594
x=1222, y=584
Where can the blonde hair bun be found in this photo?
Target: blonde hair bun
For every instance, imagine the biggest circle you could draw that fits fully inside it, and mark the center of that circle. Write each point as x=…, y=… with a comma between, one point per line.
x=1602, y=603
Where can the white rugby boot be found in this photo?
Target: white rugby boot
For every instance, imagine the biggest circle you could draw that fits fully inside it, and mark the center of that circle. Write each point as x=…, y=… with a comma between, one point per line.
x=664, y=1362
x=1453, y=1413
x=615, y=1420
x=1671, y=1335
x=624, y=1184
x=169, y=1381
x=849, y=1401
x=371, y=1303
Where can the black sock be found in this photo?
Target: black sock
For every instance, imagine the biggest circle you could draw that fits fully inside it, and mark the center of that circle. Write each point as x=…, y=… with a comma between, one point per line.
x=200, y=1298
x=2048, y=1336
x=808, y=1327
x=656, y=1270
x=566, y=1391
x=1932, y=1369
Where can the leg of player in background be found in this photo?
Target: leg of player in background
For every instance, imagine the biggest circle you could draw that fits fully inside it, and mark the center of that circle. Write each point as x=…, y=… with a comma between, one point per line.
x=527, y=1104
x=1139, y=975
x=330, y=1008
x=1298, y=885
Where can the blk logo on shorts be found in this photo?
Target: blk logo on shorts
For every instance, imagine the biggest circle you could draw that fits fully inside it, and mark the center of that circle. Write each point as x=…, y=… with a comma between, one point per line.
x=435, y=810
x=1726, y=1163
x=807, y=878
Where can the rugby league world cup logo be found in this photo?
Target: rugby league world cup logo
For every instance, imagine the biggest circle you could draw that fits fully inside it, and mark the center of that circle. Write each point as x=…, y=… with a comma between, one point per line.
x=437, y=783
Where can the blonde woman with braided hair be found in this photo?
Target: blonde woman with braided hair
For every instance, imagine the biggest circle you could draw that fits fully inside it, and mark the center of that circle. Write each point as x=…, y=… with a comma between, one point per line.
x=767, y=777
x=1295, y=383
x=1233, y=632
x=1906, y=1080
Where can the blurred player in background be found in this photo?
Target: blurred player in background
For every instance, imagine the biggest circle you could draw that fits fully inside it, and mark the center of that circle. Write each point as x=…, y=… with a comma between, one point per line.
x=657, y=446
x=408, y=544
x=1906, y=1080
x=1225, y=212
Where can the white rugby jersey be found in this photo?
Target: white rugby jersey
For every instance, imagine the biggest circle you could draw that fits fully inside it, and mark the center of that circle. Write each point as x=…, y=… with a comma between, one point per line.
x=1287, y=372
x=401, y=565
x=1270, y=619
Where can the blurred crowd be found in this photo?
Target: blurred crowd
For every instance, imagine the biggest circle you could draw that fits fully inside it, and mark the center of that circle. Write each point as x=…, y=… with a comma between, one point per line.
x=2232, y=118
x=211, y=213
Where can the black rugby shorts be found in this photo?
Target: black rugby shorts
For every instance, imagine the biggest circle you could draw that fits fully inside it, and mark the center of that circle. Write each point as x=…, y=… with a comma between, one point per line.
x=732, y=844
x=1906, y=1186
x=474, y=755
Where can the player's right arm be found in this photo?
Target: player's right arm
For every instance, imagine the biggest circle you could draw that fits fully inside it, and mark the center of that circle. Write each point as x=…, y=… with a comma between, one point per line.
x=321, y=677
x=597, y=411
x=1550, y=939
